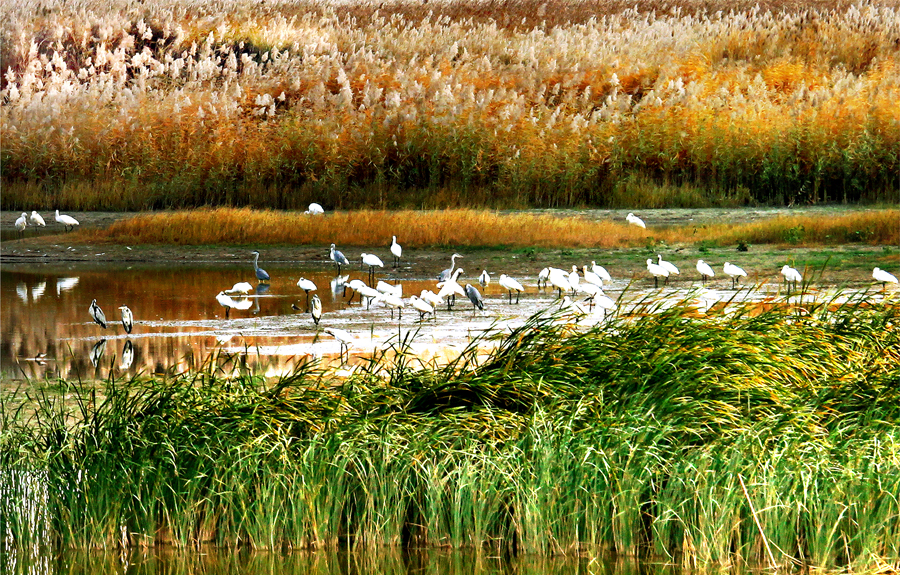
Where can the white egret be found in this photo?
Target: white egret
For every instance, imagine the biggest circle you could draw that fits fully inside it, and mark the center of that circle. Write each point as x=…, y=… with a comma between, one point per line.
x=734, y=272
x=884, y=277
x=574, y=279
x=36, y=219
x=338, y=258
x=429, y=296
x=572, y=307
x=542, y=277
x=591, y=290
x=315, y=309
x=98, y=314
x=591, y=278
x=474, y=297
x=635, y=221
x=391, y=301
x=307, y=286
x=261, y=274
x=791, y=275
x=370, y=294
x=127, y=318
x=600, y=271
x=450, y=288
x=511, y=285
x=484, y=279
x=354, y=284
x=21, y=222
x=390, y=289
x=343, y=337
x=421, y=306
x=372, y=261
x=559, y=280
x=657, y=271
x=315, y=209
x=668, y=266
x=68, y=221
x=447, y=273
x=396, y=251
x=705, y=270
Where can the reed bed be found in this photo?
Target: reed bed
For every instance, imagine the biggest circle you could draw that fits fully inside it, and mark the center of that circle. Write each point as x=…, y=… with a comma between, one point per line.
x=137, y=105
x=632, y=437
x=479, y=228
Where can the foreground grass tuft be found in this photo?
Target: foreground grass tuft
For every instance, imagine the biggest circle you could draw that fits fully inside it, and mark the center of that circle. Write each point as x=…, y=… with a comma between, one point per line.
x=632, y=436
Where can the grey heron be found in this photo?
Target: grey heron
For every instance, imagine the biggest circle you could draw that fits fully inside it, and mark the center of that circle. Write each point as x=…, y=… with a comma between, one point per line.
x=338, y=258
x=127, y=318
x=657, y=271
x=68, y=221
x=396, y=251
x=448, y=273
x=511, y=285
x=97, y=352
x=261, y=274
x=705, y=270
x=474, y=297
x=315, y=309
x=734, y=272
x=98, y=314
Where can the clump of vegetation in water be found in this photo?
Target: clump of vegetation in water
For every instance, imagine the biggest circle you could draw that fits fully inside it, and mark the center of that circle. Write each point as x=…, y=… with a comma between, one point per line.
x=749, y=432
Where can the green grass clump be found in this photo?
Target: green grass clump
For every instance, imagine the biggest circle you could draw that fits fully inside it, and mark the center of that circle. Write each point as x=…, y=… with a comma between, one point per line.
x=632, y=436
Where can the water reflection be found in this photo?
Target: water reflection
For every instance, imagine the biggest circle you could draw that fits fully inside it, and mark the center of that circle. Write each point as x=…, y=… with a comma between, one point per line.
x=97, y=352
x=170, y=561
x=127, y=355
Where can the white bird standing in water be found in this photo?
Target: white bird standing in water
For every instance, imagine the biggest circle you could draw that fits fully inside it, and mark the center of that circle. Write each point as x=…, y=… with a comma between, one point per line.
x=242, y=288
x=511, y=285
x=668, y=266
x=21, y=222
x=343, y=337
x=791, y=275
x=635, y=221
x=127, y=318
x=734, y=272
x=450, y=288
x=36, y=219
x=98, y=314
x=430, y=297
x=559, y=280
x=705, y=270
x=484, y=279
x=591, y=278
x=657, y=271
x=574, y=279
x=601, y=272
x=396, y=251
x=883, y=277
x=542, y=277
x=421, y=306
x=372, y=261
x=68, y=221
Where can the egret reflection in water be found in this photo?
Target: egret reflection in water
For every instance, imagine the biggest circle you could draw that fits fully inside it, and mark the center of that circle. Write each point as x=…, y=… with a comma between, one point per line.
x=66, y=284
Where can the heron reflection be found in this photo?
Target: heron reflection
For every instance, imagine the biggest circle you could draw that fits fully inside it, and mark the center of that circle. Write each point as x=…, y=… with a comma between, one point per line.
x=97, y=352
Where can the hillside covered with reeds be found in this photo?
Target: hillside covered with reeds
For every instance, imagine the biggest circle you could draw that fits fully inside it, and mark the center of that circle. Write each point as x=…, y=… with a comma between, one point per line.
x=745, y=434
x=131, y=105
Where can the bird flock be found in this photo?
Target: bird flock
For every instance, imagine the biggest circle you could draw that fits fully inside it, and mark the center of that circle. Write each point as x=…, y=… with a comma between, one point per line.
x=37, y=221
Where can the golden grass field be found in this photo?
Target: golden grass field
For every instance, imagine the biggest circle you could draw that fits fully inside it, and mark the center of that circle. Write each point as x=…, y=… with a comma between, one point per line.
x=480, y=228
x=133, y=105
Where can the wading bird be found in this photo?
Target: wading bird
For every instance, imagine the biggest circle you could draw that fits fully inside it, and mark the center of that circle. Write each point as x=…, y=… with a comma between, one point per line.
x=36, y=219
x=421, y=306
x=338, y=258
x=668, y=266
x=591, y=278
x=600, y=271
x=448, y=273
x=543, y=276
x=484, y=279
x=884, y=277
x=367, y=292
x=396, y=251
x=240, y=288
x=21, y=222
x=559, y=280
x=228, y=302
x=372, y=261
x=572, y=307
x=98, y=314
x=734, y=272
x=657, y=271
x=315, y=309
x=127, y=318
x=705, y=270
x=574, y=279
x=429, y=296
x=261, y=274
x=474, y=297
x=791, y=275
x=307, y=286
x=635, y=221
x=450, y=288
x=315, y=209
x=343, y=337
x=511, y=285
x=392, y=301
x=68, y=221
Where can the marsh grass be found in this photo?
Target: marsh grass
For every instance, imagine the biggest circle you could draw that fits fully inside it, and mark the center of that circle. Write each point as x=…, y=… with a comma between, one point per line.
x=480, y=228
x=626, y=437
